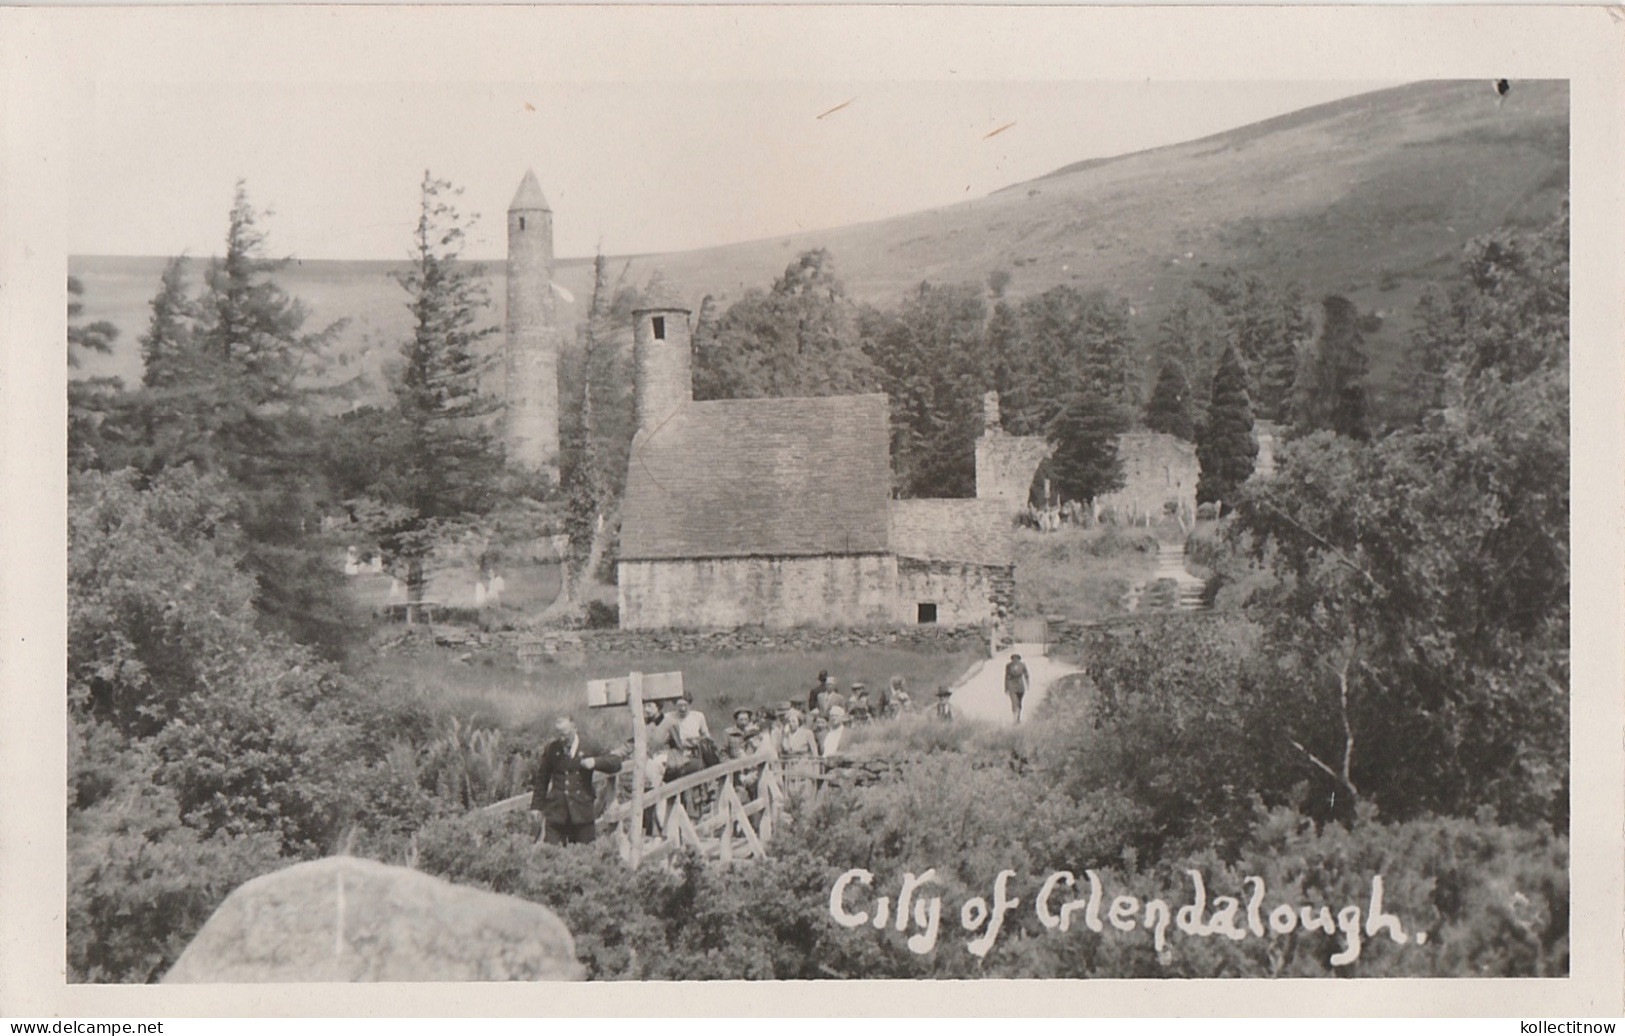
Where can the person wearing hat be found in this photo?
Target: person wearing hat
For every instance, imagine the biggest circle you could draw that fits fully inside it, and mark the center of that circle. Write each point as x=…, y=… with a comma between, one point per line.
x=561, y=789
x=816, y=698
x=945, y=707
x=1017, y=681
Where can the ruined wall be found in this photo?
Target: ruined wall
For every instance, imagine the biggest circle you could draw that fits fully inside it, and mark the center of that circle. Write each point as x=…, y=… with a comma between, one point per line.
x=965, y=594
x=1157, y=468
x=713, y=593
x=1005, y=465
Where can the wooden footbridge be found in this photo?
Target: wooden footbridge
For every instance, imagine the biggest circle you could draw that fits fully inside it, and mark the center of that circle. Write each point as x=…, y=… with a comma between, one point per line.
x=726, y=812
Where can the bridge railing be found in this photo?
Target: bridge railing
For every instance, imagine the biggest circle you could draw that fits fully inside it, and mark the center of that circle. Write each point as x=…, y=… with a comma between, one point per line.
x=728, y=811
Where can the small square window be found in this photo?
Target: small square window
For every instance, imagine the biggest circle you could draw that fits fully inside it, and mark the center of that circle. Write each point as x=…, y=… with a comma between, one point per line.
x=927, y=613
x=660, y=327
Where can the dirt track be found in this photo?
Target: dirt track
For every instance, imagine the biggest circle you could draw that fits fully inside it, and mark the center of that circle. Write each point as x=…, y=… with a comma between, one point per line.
x=979, y=694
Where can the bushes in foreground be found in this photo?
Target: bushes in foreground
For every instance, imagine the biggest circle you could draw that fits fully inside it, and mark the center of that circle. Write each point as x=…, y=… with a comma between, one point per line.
x=1471, y=897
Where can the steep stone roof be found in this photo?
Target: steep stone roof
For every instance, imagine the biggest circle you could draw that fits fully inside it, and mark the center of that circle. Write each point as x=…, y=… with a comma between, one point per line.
x=661, y=293
x=761, y=478
x=529, y=195
x=975, y=532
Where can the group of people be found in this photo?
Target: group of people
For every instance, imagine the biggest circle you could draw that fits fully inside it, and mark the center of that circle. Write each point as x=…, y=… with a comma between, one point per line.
x=679, y=742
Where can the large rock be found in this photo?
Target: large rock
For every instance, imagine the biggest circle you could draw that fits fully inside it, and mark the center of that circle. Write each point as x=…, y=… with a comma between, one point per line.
x=349, y=920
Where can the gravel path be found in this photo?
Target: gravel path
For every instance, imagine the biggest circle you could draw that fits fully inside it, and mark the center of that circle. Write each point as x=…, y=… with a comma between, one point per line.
x=979, y=694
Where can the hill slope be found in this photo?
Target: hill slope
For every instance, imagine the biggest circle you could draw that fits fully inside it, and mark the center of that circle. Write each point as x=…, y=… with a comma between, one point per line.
x=1371, y=196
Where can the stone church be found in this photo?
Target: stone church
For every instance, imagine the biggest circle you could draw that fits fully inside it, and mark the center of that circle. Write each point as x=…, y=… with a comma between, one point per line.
x=772, y=512
x=778, y=512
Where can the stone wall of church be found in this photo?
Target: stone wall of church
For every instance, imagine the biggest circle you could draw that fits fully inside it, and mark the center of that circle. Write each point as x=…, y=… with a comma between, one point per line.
x=960, y=594
x=779, y=593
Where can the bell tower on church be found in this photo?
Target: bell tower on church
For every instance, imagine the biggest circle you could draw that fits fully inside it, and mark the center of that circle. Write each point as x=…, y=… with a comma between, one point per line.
x=531, y=348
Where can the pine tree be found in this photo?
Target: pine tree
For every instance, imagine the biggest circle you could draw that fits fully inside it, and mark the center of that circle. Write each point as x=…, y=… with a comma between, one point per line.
x=89, y=399
x=226, y=391
x=1170, y=407
x=1084, y=434
x=1003, y=346
x=1277, y=362
x=586, y=477
x=1193, y=333
x=933, y=365
x=97, y=337
x=1331, y=393
x=167, y=347
x=1109, y=351
x=445, y=461
x=1224, y=445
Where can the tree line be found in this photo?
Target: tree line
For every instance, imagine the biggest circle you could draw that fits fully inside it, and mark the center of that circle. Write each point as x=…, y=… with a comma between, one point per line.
x=1067, y=363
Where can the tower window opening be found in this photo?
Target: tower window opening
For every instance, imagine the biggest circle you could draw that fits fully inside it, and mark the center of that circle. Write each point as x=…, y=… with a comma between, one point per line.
x=659, y=328
x=925, y=613
x=521, y=223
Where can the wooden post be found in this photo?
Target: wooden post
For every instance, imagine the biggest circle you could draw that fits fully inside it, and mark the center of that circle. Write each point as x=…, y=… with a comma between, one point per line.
x=640, y=755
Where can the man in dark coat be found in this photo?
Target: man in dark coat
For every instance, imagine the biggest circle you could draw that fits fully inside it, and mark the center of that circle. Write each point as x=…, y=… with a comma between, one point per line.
x=562, y=789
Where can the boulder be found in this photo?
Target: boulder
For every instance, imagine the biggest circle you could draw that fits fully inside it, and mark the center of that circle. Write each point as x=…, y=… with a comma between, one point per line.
x=344, y=919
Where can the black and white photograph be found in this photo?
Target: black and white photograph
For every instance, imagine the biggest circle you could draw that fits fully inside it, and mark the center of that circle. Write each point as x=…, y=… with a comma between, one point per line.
x=672, y=522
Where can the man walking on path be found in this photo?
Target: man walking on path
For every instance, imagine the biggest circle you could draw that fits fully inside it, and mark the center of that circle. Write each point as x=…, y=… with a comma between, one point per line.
x=562, y=790
x=1016, y=683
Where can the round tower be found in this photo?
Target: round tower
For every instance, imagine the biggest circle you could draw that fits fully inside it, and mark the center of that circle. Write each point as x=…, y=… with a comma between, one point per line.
x=661, y=344
x=531, y=354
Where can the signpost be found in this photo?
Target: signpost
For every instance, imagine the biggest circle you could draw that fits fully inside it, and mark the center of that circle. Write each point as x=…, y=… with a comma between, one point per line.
x=632, y=691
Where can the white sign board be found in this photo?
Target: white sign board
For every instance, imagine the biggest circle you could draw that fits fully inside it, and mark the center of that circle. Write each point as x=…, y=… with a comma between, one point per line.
x=616, y=690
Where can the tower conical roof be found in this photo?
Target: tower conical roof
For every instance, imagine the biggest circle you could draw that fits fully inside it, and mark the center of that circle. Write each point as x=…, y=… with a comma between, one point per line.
x=661, y=293
x=529, y=195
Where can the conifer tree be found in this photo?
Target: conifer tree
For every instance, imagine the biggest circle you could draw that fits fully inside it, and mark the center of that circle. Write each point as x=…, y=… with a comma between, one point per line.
x=166, y=348
x=586, y=477
x=1332, y=393
x=1276, y=365
x=931, y=359
x=444, y=461
x=1224, y=445
x=89, y=399
x=1193, y=333
x=1170, y=407
x=1084, y=434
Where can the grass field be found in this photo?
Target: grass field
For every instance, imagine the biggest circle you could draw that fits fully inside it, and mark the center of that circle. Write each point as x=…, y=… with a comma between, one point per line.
x=1080, y=574
x=493, y=691
x=528, y=587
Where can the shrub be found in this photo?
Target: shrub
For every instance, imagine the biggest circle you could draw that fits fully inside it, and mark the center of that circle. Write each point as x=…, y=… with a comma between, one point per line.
x=1492, y=900
x=141, y=883
x=601, y=615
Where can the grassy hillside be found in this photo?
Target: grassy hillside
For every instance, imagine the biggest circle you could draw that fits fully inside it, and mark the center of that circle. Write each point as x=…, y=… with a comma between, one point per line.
x=1371, y=196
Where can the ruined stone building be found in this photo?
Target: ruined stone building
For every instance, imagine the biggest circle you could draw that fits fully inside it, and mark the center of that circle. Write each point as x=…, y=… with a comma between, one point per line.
x=1005, y=463
x=531, y=344
x=1159, y=477
x=778, y=512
